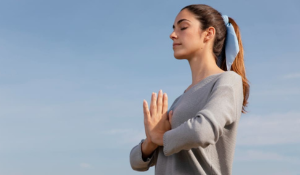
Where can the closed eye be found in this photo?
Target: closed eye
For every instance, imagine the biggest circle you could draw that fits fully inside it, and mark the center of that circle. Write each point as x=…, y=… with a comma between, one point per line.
x=183, y=28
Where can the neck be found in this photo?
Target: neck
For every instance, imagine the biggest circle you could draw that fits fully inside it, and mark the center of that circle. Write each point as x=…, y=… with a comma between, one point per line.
x=203, y=66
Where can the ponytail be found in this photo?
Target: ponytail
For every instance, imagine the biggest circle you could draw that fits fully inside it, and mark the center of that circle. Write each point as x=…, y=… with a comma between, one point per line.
x=238, y=65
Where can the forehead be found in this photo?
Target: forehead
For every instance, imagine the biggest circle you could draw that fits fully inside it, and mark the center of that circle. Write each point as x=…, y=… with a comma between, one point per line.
x=184, y=14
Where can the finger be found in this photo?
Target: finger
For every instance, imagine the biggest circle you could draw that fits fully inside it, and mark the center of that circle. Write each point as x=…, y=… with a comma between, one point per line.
x=165, y=103
x=153, y=107
x=159, y=102
x=146, y=111
x=170, y=115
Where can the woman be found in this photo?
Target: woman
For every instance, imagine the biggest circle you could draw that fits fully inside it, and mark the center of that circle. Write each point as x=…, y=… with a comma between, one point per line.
x=197, y=135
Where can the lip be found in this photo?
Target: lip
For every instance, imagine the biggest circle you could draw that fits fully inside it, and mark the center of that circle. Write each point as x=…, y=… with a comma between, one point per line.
x=176, y=44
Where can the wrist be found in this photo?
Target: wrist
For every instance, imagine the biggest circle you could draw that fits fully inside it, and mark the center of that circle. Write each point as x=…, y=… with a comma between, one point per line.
x=157, y=138
x=149, y=144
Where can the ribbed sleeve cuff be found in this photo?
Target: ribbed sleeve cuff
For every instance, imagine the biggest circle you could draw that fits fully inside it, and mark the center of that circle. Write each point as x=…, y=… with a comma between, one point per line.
x=165, y=144
x=170, y=142
x=136, y=159
x=141, y=154
x=177, y=139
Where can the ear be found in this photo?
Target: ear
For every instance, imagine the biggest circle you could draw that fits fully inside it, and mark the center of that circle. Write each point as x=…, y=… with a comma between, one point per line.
x=209, y=34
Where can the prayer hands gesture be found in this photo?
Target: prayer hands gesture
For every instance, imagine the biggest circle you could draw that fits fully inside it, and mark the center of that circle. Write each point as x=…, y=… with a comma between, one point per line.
x=156, y=120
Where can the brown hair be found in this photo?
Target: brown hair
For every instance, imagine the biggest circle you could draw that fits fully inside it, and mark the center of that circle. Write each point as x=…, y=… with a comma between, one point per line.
x=208, y=16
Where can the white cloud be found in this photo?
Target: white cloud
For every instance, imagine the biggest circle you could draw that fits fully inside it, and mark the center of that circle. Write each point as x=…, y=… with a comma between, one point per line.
x=276, y=92
x=291, y=76
x=257, y=155
x=253, y=130
x=284, y=173
x=85, y=165
x=127, y=136
x=272, y=129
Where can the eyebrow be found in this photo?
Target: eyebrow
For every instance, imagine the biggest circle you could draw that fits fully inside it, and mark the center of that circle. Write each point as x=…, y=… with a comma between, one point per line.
x=180, y=22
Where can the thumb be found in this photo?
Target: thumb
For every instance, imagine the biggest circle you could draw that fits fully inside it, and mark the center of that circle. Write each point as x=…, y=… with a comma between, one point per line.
x=170, y=115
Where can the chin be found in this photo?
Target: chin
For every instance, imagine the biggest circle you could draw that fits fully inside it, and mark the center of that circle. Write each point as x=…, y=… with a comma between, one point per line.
x=180, y=55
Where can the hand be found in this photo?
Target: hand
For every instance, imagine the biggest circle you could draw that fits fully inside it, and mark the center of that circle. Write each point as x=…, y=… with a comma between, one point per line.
x=170, y=117
x=156, y=120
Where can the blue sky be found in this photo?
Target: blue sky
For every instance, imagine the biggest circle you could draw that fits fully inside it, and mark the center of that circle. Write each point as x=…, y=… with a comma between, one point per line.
x=73, y=76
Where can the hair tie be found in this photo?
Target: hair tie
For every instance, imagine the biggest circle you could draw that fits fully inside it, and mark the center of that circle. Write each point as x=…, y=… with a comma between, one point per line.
x=231, y=45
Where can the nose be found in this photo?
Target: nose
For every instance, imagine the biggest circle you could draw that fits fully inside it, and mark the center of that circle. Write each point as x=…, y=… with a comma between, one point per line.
x=173, y=35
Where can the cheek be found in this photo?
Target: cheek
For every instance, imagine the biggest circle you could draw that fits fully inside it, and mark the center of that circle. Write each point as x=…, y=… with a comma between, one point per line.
x=190, y=44
x=191, y=41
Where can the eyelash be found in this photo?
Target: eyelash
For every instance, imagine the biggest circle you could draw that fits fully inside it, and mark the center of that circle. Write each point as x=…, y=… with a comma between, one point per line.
x=183, y=28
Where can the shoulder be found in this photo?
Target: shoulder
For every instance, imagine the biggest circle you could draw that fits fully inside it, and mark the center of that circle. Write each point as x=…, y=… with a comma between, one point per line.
x=229, y=78
x=232, y=82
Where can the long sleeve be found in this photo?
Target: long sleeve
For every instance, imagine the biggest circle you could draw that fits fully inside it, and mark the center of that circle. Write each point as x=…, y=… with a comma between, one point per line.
x=207, y=126
x=136, y=161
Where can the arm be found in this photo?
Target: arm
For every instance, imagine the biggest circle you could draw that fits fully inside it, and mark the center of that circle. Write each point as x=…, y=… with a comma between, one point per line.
x=136, y=156
x=207, y=126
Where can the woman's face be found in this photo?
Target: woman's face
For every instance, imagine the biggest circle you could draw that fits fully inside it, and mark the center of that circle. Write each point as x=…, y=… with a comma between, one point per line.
x=188, y=34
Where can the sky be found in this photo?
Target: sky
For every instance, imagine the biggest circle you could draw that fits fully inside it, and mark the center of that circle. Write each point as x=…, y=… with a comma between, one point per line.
x=74, y=74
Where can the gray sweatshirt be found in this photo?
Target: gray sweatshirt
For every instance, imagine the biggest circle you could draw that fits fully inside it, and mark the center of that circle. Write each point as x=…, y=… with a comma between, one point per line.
x=203, y=134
